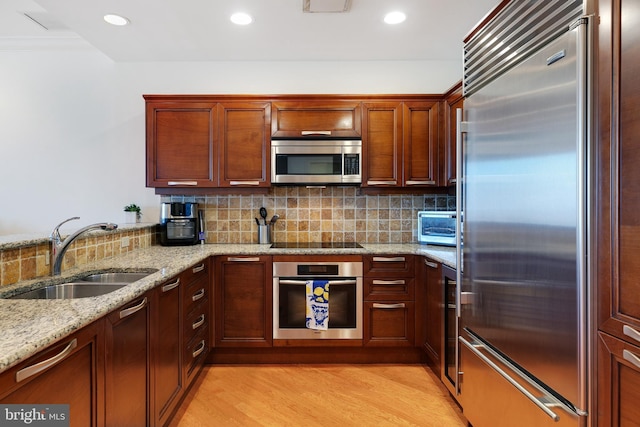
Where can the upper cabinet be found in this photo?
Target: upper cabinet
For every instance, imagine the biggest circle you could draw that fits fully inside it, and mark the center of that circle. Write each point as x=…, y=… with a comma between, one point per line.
x=181, y=143
x=310, y=118
x=400, y=143
x=244, y=144
x=453, y=101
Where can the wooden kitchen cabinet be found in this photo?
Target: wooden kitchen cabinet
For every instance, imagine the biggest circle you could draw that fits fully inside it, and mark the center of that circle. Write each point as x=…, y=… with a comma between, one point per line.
x=197, y=315
x=312, y=118
x=433, y=314
x=617, y=205
x=400, y=143
x=181, y=143
x=69, y=372
x=243, y=301
x=447, y=159
x=244, y=144
x=167, y=349
x=618, y=382
x=389, y=294
x=127, y=341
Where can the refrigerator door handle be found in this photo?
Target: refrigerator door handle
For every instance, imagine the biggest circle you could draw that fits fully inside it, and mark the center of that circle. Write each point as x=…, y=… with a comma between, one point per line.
x=539, y=402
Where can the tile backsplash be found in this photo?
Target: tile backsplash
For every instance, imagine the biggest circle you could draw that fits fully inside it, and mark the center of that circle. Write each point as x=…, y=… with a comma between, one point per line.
x=315, y=214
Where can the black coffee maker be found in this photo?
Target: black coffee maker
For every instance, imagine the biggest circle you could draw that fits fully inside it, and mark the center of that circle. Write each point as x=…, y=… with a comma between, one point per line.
x=178, y=224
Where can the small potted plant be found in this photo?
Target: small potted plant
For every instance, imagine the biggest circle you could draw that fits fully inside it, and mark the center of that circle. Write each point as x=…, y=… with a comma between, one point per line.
x=132, y=213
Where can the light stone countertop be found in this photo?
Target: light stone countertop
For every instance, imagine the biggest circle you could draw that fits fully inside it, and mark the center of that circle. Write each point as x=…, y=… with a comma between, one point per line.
x=28, y=326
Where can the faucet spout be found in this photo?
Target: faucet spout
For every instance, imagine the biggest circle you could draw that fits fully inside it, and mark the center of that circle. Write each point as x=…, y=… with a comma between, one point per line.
x=59, y=247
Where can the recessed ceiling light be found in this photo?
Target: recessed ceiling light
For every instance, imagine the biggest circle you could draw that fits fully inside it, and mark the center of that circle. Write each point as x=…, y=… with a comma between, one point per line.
x=116, y=20
x=241, y=18
x=394, y=17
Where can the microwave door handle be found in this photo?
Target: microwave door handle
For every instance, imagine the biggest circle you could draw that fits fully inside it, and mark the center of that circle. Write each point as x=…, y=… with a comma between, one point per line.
x=304, y=282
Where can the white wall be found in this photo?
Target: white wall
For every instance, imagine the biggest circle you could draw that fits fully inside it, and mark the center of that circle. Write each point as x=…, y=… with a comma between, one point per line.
x=72, y=123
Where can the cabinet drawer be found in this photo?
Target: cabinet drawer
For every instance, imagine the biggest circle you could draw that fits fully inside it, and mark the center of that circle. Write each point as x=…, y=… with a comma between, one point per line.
x=389, y=324
x=194, y=294
x=198, y=271
x=196, y=321
x=195, y=353
x=389, y=265
x=308, y=118
x=390, y=289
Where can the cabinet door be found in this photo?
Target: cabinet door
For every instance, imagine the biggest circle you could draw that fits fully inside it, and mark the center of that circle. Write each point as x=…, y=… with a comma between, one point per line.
x=447, y=157
x=618, y=226
x=389, y=324
x=167, y=349
x=308, y=118
x=434, y=313
x=244, y=144
x=127, y=359
x=69, y=372
x=618, y=382
x=382, y=144
x=243, y=308
x=420, y=144
x=181, y=141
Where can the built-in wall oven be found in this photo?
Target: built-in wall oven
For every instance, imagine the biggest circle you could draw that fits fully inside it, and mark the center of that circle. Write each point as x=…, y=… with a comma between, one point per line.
x=345, y=299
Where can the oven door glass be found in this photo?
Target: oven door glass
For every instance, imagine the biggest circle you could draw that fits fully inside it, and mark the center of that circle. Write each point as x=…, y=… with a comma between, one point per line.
x=309, y=164
x=292, y=305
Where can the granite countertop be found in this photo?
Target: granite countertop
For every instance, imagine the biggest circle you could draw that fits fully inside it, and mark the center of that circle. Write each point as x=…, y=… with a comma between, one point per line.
x=29, y=325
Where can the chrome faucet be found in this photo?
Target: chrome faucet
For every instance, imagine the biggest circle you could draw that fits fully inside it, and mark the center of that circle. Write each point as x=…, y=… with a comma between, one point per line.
x=59, y=247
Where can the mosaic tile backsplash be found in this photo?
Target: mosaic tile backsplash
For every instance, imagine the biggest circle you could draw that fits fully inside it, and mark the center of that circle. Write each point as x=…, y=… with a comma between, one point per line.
x=315, y=215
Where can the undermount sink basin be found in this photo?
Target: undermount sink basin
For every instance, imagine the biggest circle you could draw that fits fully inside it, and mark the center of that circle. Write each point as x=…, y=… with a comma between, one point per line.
x=71, y=290
x=120, y=277
x=92, y=285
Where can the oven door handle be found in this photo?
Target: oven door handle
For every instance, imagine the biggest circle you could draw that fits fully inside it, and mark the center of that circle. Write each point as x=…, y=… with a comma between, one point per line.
x=304, y=282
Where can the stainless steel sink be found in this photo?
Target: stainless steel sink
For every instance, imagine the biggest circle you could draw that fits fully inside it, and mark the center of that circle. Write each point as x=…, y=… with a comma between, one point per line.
x=71, y=290
x=118, y=277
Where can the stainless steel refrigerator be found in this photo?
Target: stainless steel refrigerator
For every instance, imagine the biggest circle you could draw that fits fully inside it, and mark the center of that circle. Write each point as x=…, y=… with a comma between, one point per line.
x=523, y=328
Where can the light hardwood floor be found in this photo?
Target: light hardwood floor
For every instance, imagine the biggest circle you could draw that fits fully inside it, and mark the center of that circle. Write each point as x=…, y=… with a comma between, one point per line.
x=318, y=395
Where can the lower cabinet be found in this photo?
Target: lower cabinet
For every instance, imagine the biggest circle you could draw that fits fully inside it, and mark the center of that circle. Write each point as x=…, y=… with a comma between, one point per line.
x=389, y=293
x=433, y=317
x=197, y=320
x=243, y=301
x=69, y=372
x=618, y=382
x=166, y=360
x=127, y=364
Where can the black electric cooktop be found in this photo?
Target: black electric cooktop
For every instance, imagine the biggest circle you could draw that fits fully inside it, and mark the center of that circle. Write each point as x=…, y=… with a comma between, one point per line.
x=315, y=245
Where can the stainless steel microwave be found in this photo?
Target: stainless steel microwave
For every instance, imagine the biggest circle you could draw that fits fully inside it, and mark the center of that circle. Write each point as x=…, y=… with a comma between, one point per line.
x=316, y=162
x=437, y=228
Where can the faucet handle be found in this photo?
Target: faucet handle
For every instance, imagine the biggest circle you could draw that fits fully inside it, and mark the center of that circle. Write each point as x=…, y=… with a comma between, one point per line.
x=55, y=234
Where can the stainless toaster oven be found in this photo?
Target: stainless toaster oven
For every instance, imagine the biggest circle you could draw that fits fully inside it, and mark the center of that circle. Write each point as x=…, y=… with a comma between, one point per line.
x=437, y=228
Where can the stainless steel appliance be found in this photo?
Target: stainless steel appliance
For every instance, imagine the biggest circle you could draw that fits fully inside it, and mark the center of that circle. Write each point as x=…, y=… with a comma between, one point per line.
x=345, y=299
x=437, y=228
x=525, y=195
x=316, y=162
x=178, y=224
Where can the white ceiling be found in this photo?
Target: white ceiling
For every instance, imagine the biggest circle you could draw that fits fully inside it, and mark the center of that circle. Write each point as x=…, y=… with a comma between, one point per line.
x=200, y=30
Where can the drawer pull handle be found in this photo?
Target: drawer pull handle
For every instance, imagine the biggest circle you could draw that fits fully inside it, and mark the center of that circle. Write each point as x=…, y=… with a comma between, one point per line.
x=632, y=358
x=199, y=350
x=631, y=333
x=382, y=182
x=170, y=286
x=199, y=322
x=389, y=282
x=198, y=268
x=430, y=264
x=420, y=182
x=186, y=183
x=30, y=371
x=315, y=132
x=389, y=306
x=131, y=310
x=235, y=259
x=198, y=295
x=253, y=183
x=387, y=259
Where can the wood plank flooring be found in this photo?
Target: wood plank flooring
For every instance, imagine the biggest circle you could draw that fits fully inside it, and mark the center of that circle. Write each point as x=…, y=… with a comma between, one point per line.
x=318, y=396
